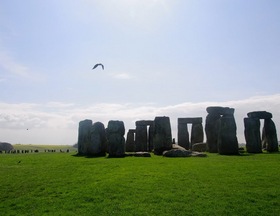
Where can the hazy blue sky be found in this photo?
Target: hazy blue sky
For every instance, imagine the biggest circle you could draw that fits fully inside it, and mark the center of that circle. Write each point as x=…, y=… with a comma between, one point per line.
x=161, y=57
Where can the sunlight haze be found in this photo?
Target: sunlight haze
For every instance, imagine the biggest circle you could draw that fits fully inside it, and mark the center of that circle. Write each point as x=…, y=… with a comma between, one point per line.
x=161, y=57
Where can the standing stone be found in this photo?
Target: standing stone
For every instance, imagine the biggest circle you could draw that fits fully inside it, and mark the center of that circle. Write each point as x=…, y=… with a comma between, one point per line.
x=227, y=139
x=211, y=130
x=162, y=135
x=141, y=137
x=183, y=135
x=252, y=135
x=130, y=141
x=97, y=140
x=115, y=135
x=150, y=137
x=271, y=136
x=84, y=136
x=197, y=133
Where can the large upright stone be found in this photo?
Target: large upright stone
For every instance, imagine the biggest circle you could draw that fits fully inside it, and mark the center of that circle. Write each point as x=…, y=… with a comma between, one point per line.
x=162, y=135
x=84, y=136
x=98, y=140
x=115, y=135
x=227, y=139
x=150, y=137
x=130, y=141
x=252, y=135
x=197, y=134
x=271, y=136
x=211, y=130
x=183, y=135
x=141, y=137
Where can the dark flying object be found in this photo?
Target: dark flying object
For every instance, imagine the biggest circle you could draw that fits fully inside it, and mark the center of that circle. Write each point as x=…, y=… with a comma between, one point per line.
x=95, y=66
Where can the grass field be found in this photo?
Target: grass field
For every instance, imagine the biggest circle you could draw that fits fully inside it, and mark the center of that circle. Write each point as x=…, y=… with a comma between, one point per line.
x=64, y=184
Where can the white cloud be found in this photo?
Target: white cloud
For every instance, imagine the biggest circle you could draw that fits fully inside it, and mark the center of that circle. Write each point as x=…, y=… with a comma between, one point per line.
x=59, y=125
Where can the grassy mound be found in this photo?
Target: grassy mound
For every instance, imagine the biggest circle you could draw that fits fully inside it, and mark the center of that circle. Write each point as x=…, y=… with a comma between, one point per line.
x=64, y=184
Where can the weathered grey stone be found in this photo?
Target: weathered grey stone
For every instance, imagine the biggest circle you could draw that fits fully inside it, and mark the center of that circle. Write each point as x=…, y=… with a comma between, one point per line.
x=175, y=146
x=142, y=154
x=150, y=137
x=211, y=130
x=141, y=138
x=198, y=154
x=195, y=120
x=162, y=138
x=98, y=141
x=130, y=141
x=197, y=134
x=177, y=153
x=183, y=135
x=84, y=136
x=252, y=135
x=260, y=115
x=271, y=136
x=115, y=135
x=199, y=147
x=144, y=122
x=227, y=139
x=4, y=146
x=182, y=153
x=220, y=110
x=144, y=139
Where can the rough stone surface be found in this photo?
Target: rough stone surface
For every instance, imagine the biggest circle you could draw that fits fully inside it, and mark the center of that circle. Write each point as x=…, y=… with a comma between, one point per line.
x=130, y=141
x=144, y=122
x=162, y=138
x=252, y=135
x=98, y=141
x=142, y=154
x=197, y=134
x=4, y=146
x=141, y=138
x=177, y=153
x=150, y=137
x=84, y=136
x=198, y=154
x=182, y=153
x=199, y=147
x=195, y=120
x=175, y=146
x=271, y=136
x=183, y=136
x=211, y=130
x=115, y=135
x=227, y=140
x=260, y=115
x=220, y=110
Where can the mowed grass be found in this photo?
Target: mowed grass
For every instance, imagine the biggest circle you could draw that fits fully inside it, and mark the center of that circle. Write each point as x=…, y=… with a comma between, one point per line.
x=64, y=184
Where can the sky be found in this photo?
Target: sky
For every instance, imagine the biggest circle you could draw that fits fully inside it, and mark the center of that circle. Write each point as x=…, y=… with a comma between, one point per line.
x=161, y=57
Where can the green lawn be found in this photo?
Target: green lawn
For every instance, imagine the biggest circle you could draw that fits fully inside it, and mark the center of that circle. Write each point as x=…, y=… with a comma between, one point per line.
x=63, y=184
